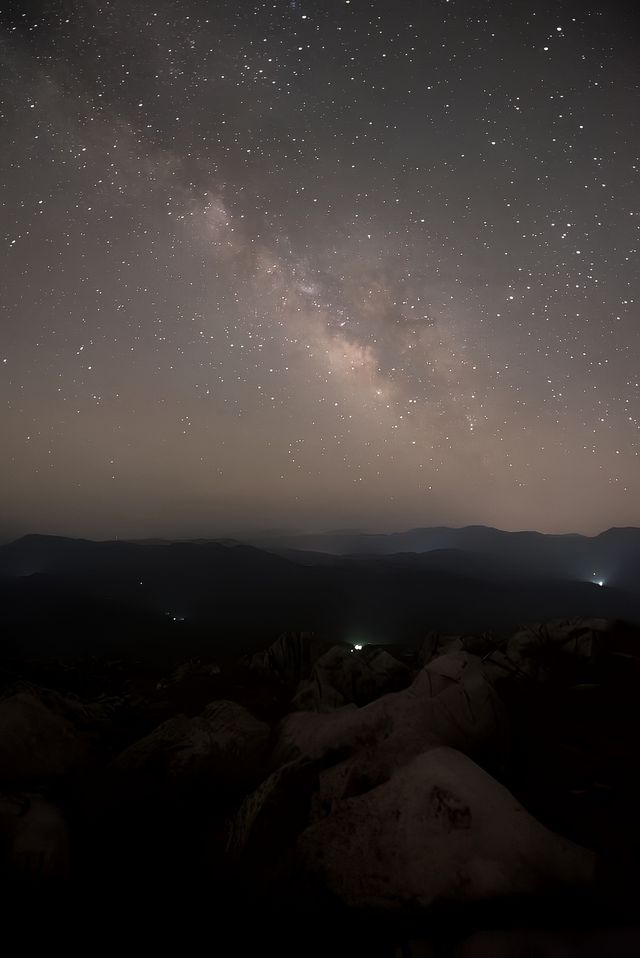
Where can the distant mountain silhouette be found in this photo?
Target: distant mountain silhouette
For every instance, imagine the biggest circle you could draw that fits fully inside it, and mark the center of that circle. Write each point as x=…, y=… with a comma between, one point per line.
x=613, y=556
x=161, y=594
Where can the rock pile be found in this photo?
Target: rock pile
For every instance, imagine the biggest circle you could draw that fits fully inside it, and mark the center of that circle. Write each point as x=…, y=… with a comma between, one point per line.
x=495, y=768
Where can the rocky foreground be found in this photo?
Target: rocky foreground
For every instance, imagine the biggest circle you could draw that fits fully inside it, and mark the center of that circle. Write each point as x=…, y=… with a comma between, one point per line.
x=475, y=796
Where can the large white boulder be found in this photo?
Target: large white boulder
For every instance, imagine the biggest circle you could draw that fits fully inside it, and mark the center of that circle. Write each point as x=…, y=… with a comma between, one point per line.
x=223, y=745
x=451, y=702
x=290, y=658
x=439, y=830
x=343, y=676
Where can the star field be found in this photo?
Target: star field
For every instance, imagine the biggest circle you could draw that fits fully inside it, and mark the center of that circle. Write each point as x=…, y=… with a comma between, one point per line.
x=311, y=264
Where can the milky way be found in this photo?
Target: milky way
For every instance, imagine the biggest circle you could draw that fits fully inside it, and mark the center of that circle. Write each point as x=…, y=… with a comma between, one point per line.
x=319, y=264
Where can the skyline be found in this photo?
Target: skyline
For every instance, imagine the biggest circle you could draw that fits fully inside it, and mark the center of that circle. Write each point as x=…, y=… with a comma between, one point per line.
x=311, y=266
x=260, y=536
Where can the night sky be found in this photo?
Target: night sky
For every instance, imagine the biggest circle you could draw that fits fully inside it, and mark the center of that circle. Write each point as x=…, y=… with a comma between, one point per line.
x=313, y=264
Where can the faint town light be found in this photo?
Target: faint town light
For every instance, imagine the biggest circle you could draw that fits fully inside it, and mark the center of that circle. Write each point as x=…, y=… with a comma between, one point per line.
x=357, y=648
